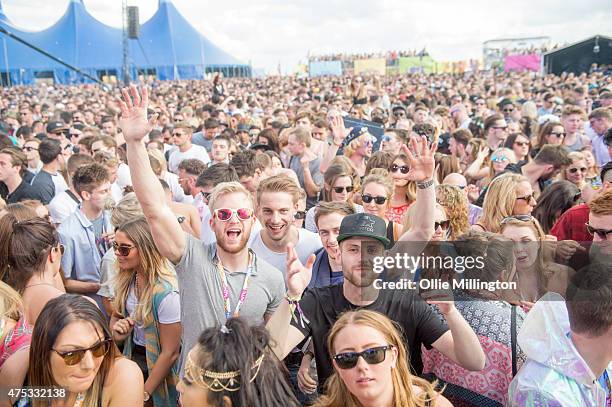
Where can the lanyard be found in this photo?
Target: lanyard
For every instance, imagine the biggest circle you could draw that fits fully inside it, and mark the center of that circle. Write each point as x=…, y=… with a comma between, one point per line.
x=225, y=292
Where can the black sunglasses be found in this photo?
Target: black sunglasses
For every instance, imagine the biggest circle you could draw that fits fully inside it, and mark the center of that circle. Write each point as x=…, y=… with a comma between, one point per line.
x=122, y=250
x=299, y=215
x=340, y=190
x=558, y=135
x=378, y=199
x=601, y=233
x=527, y=198
x=372, y=356
x=74, y=357
x=444, y=224
x=575, y=170
x=402, y=168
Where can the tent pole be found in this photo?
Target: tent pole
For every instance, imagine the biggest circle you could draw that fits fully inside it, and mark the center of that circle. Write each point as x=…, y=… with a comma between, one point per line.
x=6, y=64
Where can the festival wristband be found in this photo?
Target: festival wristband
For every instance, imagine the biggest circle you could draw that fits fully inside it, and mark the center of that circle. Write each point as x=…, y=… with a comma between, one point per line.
x=425, y=184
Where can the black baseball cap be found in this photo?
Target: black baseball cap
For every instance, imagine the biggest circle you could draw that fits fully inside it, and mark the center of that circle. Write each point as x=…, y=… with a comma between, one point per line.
x=56, y=126
x=365, y=225
x=259, y=146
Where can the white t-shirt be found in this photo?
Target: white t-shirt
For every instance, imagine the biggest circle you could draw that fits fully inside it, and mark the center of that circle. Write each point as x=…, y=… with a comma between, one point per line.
x=308, y=243
x=178, y=195
x=169, y=312
x=124, y=179
x=176, y=156
x=61, y=206
x=59, y=182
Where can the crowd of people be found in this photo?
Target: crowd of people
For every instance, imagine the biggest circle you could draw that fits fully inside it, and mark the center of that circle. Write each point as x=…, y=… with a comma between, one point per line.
x=229, y=242
x=388, y=55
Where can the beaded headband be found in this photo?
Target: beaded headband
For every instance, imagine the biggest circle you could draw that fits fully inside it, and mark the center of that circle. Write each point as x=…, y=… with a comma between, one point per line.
x=217, y=381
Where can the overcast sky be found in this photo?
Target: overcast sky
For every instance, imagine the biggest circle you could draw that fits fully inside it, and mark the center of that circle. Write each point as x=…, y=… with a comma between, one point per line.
x=269, y=32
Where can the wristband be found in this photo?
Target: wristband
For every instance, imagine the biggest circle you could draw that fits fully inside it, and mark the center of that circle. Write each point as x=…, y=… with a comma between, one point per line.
x=425, y=184
x=294, y=303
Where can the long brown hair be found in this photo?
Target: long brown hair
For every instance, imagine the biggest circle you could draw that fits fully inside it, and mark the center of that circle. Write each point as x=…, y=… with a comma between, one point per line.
x=154, y=266
x=24, y=247
x=55, y=316
x=338, y=395
x=331, y=176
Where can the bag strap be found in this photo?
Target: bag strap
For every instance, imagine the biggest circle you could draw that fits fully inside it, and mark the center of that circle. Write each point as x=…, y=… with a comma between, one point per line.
x=73, y=196
x=513, y=338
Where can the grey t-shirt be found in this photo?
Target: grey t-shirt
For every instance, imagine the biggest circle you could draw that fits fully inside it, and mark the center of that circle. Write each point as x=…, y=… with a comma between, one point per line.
x=315, y=173
x=200, y=291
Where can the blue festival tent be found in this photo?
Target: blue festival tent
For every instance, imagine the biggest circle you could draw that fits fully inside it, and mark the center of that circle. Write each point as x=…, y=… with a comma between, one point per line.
x=168, y=48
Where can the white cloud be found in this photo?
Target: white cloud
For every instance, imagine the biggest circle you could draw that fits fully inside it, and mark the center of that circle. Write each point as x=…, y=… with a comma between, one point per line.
x=267, y=32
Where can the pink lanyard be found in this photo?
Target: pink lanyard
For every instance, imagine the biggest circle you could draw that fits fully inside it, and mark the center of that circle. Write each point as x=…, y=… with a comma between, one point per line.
x=225, y=292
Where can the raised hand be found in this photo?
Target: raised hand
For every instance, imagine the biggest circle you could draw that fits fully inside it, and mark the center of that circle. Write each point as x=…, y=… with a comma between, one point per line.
x=422, y=163
x=338, y=130
x=298, y=275
x=133, y=122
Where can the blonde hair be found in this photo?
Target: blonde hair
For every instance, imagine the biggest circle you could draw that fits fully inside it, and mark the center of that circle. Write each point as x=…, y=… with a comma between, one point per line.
x=380, y=176
x=158, y=162
x=226, y=188
x=574, y=156
x=499, y=201
x=337, y=394
x=502, y=150
x=126, y=209
x=408, y=218
x=350, y=149
x=11, y=305
x=152, y=264
x=455, y=204
x=279, y=183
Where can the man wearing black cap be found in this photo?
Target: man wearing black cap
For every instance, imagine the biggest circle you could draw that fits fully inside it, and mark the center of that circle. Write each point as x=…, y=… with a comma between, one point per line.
x=57, y=130
x=361, y=237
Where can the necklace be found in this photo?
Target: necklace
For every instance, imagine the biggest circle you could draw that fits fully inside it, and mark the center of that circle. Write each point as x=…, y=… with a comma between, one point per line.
x=34, y=285
x=225, y=292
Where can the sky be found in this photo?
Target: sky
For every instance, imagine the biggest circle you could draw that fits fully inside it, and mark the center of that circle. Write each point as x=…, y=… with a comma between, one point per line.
x=269, y=33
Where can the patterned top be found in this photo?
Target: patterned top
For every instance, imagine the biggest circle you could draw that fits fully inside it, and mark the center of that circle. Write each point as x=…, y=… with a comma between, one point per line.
x=15, y=340
x=491, y=321
x=396, y=213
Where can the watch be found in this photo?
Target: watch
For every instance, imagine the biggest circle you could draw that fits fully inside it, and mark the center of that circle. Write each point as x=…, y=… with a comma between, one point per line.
x=425, y=184
x=147, y=396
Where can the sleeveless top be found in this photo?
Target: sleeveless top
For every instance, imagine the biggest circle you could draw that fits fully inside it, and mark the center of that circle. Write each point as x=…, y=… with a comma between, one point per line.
x=18, y=338
x=578, y=144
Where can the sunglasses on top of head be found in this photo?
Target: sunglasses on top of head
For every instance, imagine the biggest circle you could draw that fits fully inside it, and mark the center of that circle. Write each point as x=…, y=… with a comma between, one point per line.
x=225, y=214
x=74, y=357
x=372, y=356
x=401, y=168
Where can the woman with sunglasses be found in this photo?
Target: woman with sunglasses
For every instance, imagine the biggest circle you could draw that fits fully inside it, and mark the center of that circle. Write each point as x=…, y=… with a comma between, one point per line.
x=498, y=339
x=556, y=199
x=72, y=350
x=576, y=172
x=507, y=195
x=550, y=133
x=147, y=310
x=338, y=186
x=456, y=206
x=535, y=272
x=404, y=190
x=376, y=194
x=499, y=161
x=520, y=145
x=371, y=366
x=15, y=337
x=33, y=255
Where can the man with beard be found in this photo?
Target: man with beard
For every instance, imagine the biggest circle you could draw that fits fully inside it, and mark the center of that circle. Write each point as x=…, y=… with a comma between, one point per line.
x=277, y=202
x=188, y=172
x=218, y=280
x=363, y=237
